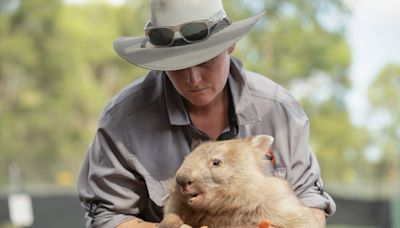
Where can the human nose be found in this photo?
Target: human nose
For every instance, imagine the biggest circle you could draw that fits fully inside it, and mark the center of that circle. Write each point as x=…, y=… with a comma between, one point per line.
x=193, y=77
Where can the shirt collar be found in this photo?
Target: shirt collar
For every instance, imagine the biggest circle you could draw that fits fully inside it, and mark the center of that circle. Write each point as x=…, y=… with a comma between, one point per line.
x=175, y=107
x=245, y=109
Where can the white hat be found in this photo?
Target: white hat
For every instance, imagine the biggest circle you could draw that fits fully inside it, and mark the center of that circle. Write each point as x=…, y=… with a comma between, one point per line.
x=139, y=51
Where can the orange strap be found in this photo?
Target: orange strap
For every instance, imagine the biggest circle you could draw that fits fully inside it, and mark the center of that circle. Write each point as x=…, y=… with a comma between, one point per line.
x=264, y=224
x=270, y=156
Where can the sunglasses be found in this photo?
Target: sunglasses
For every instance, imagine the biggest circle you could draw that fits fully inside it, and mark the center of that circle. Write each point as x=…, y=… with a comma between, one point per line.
x=191, y=32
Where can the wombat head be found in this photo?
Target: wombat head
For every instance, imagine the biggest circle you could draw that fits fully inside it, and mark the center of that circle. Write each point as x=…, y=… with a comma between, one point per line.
x=216, y=170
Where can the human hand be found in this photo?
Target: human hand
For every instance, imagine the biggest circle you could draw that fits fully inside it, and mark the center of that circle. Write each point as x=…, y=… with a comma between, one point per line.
x=172, y=220
x=137, y=223
x=185, y=226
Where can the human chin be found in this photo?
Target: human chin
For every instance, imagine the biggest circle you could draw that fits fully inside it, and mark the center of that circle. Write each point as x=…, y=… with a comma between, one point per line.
x=200, y=100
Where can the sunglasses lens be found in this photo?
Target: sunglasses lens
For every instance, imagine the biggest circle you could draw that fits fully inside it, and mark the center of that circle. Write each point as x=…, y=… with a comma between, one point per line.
x=160, y=36
x=195, y=31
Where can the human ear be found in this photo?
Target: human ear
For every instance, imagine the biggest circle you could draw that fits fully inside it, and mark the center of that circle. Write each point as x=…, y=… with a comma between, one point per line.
x=231, y=48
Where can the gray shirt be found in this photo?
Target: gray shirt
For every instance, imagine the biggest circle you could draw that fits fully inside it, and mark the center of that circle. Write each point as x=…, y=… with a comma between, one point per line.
x=145, y=132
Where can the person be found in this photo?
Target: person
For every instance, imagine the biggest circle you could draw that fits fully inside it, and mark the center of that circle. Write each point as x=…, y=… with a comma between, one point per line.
x=195, y=91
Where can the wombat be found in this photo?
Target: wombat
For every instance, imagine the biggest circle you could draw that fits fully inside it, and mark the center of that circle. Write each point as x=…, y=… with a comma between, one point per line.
x=222, y=184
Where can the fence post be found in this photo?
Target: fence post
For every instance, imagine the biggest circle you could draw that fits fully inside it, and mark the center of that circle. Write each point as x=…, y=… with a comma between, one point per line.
x=395, y=212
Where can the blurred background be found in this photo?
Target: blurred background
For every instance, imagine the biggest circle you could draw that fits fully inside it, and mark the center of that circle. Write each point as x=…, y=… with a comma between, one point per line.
x=339, y=58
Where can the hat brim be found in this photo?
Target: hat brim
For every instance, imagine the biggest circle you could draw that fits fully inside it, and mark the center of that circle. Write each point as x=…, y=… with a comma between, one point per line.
x=138, y=51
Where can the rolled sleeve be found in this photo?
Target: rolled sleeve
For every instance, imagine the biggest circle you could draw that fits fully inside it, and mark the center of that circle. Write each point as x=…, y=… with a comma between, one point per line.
x=305, y=175
x=107, y=181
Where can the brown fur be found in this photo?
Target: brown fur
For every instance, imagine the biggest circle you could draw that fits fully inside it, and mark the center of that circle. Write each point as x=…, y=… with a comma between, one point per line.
x=222, y=184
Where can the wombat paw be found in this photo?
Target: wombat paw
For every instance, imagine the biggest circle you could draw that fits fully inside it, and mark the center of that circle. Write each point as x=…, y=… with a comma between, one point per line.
x=173, y=225
x=170, y=225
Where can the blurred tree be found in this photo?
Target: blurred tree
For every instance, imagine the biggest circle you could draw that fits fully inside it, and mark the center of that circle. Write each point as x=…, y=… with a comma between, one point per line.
x=385, y=123
x=294, y=40
x=25, y=74
x=57, y=70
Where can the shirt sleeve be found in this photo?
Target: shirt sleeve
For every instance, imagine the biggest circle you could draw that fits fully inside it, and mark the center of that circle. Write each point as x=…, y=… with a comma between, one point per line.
x=109, y=190
x=305, y=175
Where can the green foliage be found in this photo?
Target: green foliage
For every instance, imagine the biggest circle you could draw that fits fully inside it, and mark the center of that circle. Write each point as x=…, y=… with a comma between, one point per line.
x=384, y=96
x=338, y=144
x=384, y=92
x=291, y=42
x=57, y=70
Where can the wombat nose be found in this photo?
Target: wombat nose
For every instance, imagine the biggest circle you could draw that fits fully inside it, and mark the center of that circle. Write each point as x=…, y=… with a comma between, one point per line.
x=183, y=181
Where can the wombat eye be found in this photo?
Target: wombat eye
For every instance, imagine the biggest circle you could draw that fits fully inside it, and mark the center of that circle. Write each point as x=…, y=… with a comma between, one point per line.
x=216, y=162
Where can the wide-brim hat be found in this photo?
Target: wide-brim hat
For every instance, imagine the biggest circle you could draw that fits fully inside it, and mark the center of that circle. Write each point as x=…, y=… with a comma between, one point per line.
x=139, y=51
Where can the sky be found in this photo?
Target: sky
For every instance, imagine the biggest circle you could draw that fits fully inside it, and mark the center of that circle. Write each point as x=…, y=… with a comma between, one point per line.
x=373, y=33
x=374, y=38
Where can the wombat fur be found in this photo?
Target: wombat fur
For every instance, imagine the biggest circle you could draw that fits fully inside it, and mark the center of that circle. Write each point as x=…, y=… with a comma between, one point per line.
x=222, y=184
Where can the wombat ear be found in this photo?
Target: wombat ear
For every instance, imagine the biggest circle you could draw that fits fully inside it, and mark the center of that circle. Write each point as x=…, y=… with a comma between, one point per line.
x=262, y=142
